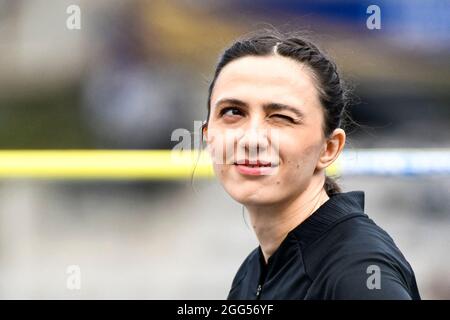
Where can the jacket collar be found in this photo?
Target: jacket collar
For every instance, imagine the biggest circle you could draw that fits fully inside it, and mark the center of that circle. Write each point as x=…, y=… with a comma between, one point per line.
x=337, y=207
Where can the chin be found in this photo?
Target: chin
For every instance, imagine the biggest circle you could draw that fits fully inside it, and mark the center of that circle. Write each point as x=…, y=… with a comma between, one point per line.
x=248, y=190
x=251, y=196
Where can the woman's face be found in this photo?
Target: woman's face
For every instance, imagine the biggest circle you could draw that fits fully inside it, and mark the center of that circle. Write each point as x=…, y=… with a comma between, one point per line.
x=265, y=129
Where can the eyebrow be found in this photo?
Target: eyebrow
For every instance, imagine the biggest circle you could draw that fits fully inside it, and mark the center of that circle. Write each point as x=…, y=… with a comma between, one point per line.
x=271, y=106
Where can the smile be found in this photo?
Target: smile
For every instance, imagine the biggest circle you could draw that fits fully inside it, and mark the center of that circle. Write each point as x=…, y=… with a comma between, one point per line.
x=255, y=168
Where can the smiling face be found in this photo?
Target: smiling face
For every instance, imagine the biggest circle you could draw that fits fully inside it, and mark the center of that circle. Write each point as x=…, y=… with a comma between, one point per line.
x=266, y=125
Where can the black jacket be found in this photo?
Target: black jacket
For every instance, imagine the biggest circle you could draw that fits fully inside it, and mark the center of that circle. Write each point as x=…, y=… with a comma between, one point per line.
x=337, y=253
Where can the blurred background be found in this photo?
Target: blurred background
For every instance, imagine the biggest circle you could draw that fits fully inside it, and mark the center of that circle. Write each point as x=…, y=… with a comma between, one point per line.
x=137, y=70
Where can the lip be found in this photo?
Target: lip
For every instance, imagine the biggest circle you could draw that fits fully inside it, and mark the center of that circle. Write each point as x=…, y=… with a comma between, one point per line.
x=256, y=162
x=255, y=168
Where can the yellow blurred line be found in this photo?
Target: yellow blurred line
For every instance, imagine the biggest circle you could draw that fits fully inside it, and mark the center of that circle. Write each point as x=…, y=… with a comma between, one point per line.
x=108, y=164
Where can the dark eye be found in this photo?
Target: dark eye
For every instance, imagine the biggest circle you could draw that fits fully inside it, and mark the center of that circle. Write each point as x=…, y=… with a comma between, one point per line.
x=231, y=111
x=283, y=117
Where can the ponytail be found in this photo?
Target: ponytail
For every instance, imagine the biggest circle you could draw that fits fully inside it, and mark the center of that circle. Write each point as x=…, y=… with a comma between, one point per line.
x=331, y=186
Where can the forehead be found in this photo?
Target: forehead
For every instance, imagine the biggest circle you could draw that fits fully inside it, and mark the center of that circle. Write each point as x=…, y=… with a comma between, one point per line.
x=256, y=79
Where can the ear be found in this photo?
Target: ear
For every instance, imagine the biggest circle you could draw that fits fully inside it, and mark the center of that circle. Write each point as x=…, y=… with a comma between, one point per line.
x=332, y=148
x=205, y=130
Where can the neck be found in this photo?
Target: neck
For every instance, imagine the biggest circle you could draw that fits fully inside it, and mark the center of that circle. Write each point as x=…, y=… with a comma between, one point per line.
x=272, y=223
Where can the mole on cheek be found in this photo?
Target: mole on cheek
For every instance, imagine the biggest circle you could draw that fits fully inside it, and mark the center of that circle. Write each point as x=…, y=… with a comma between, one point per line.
x=278, y=182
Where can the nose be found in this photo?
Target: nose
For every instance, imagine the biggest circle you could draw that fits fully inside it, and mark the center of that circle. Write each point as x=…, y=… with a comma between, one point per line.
x=254, y=141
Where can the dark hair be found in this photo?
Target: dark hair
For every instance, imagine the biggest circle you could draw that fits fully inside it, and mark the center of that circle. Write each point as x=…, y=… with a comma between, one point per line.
x=333, y=94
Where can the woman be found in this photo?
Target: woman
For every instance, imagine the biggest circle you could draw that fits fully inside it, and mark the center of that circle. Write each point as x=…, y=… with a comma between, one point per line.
x=275, y=112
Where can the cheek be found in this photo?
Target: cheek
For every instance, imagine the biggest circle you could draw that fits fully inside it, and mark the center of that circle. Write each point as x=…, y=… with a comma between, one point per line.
x=221, y=147
x=299, y=156
x=220, y=144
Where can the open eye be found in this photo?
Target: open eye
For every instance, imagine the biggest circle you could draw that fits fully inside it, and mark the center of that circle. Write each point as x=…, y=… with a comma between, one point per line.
x=231, y=111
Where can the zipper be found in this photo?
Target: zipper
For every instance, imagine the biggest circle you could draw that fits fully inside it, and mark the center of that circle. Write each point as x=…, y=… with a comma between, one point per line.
x=258, y=291
x=264, y=268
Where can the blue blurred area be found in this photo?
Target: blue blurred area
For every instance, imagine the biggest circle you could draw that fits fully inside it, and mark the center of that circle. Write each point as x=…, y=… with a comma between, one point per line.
x=410, y=19
x=349, y=12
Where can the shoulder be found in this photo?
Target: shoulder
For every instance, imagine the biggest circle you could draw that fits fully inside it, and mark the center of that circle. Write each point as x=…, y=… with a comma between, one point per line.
x=356, y=259
x=247, y=264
